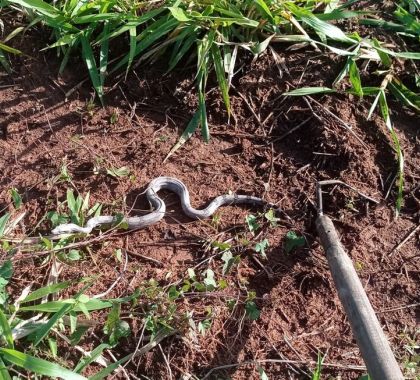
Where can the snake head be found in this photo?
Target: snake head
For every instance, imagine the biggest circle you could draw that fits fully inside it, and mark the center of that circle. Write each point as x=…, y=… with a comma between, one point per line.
x=65, y=229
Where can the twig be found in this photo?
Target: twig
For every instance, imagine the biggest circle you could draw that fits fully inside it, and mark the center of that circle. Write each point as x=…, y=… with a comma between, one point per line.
x=399, y=308
x=281, y=361
x=336, y=182
x=78, y=85
x=390, y=186
x=120, y=367
x=270, y=174
x=257, y=118
x=341, y=122
x=166, y=362
x=116, y=281
x=147, y=258
x=405, y=240
x=292, y=130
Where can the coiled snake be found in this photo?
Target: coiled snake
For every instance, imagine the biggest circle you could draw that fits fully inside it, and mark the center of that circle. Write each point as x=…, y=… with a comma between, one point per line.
x=159, y=208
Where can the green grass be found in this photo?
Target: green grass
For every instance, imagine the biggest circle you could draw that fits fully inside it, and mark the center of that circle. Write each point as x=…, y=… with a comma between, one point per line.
x=5, y=49
x=210, y=34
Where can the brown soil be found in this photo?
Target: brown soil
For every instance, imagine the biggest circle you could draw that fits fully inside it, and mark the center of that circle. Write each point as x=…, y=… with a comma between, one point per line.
x=300, y=312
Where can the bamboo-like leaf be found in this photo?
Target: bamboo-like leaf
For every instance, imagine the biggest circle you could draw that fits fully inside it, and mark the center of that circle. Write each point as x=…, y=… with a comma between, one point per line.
x=264, y=10
x=92, y=18
x=137, y=21
x=45, y=291
x=39, y=366
x=67, y=39
x=54, y=306
x=383, y=24
x=340, y=15
x=355, y=78
x=204, y=47
x=260, y=47
x=320, y=26
x=386, y=61
x=179, y=14
x=231, y=65
x=65, y=59
x=6, y=270
x=344, y=71
x=39, y=5
x=84, y=362
x=148, y=37
x=404, y=94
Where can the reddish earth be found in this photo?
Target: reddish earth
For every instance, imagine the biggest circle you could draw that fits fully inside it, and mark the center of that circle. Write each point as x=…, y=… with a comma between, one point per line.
x=300, y=312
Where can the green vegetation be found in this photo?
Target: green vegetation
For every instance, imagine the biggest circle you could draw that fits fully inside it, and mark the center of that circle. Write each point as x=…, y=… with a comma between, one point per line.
x=211, y=34
x=114, y=36
x=6, y=49
x=37, y=325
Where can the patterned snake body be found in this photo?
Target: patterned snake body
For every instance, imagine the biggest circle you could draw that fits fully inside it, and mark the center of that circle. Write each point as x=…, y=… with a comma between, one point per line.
x=159, y=208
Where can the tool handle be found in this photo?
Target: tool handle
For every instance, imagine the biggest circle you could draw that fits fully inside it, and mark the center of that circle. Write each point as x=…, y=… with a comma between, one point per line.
x=373, y=344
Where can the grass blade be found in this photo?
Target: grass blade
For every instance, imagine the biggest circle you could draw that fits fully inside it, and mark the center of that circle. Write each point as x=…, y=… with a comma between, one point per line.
x=403, y=54
x=39, y=366
x=5, y=329
x=373, y=106
x=202, y=73
x=84, y=362
x=309, y=91
x=404, y=94
x=182, y=47
x=264, y=10
x=4, y=62
x=45, y=329
x=220, y=74
x=103, y=55
x=186, y=135
x=112, y=367
x=386, y=61
x=89, y=59
x=3, y=223
x=4, y=373
x=9, y=49
x=133, y=43
x=383, y=105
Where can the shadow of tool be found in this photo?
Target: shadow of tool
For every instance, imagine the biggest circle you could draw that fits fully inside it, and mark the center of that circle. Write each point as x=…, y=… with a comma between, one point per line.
x=374, y=346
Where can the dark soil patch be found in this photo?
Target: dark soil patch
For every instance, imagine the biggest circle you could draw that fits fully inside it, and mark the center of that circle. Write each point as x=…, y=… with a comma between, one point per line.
x=300, y=312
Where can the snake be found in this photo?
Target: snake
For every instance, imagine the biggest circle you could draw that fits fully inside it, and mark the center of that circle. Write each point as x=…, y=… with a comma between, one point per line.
x=159, y=208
